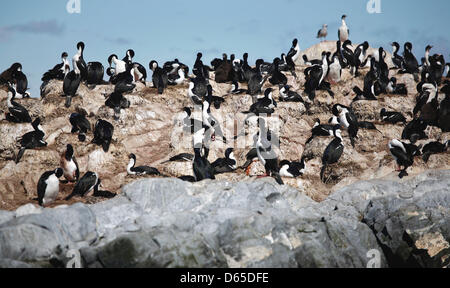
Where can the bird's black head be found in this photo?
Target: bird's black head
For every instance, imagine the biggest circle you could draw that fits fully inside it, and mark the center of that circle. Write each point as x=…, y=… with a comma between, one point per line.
x=428, y=48
x=245, y=56
x=153, y=65
x=228, y=152
x=16, y=67
x=295, y=42
x=393, y=80
x=82, y=137
x=80, y=46
x=199, y=56
x=383, y=111
x=110, y=58
x=132, y=156
x=276, y=61
x=344, y=17
x=188, y=111
x=224, y=57
x=59, y=173
x=130, y=53
x=408, y=46
x=268, y=92
x=64, y=55
x=232, y=57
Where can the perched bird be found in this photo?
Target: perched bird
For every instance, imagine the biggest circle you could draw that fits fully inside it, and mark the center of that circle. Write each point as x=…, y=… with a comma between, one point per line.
x=392, y=117
x=294, y=53
x=292, y=169
x=198, y=89
x=415, y=130
x=31, y=140
x=17, y=113
x=48, y=186
x=323, y=33
x=277, y=77
x=286, y=95
x=321, y=130
x=333, y=152
x=159, y=78
x=403, y=154
x=434, y=148
x=141, y=170
x=225, y=165
x=117, y=101
x=201, y=166
x=90, y=181
x=69, y=164
x=410, y=64
x=177, y=78
x=343, y=31
x=397, y=89
x=80, y=124
x=59, y=71
x=73, y=78
x=265, y=105
x=444, y=110
x=396, y=59
x=348, y=120
x=235, y=89
x=103, y=133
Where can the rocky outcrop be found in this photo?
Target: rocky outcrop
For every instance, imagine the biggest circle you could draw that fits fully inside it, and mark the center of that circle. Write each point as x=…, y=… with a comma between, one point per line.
x=169, y=223
x=150, y=128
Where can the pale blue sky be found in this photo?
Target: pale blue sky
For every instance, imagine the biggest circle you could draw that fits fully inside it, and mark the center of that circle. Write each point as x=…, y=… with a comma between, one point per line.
x=35, y=33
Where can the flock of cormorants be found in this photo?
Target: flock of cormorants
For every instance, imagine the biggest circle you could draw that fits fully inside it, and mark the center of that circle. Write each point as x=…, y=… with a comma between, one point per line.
x=432, y=76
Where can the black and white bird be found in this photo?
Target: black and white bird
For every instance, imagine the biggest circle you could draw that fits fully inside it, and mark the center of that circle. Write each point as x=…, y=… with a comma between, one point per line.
x=199, y=69
x=79, y=61
x=394, y=88
x=348, y=120
x=198, y=90
x=73, y=78
x=59, y=71
x=178, y=77
x=315, y=76
x=201, y=166
x=256, y=81
x=287, y=95
x=235, y=89
x=69, y=164
x=266, y=153
x=294, y=53
x=410, y=64
x=17, y=113
x=159, y=78
x=403, y=154
x=117, y=102
x=392, y=117
x=90, y=181
x=20, y=81
x=225, y=165
x=333, y=152
x=120, y=66
x=103, y=133
x=427, y=104
x=48, y=187
x=80, y=124
x=415, y=130
x=128, y=59
x=292, y=169
x=277, y=77
x=396, y=59
x=141, y=170
x=322, y=130
x=343, y=31
x=360, y=55
x=434, y=148
x=32, y=140
x=265, y=105
x=139, y=73
x=323, y=33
